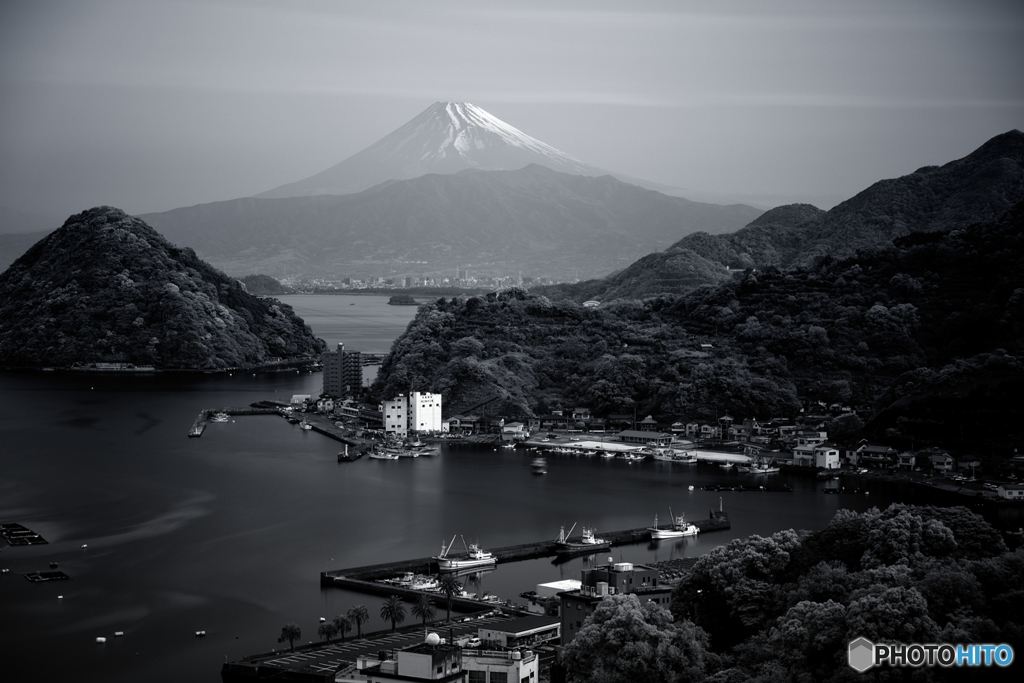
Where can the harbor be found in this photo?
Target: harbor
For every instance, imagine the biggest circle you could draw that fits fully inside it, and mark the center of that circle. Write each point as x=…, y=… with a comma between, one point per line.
x=367, y=579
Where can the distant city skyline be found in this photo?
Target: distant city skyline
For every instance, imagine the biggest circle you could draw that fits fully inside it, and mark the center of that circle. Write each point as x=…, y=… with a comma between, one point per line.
x=158, y=105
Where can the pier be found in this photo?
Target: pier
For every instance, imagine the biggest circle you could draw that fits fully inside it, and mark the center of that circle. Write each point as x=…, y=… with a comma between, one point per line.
x=362, y=578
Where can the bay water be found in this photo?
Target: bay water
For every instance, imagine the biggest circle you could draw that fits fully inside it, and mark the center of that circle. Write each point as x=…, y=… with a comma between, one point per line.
x=228, y=533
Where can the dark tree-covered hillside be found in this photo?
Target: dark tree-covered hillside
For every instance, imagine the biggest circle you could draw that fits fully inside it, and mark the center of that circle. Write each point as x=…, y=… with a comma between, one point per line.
x=106, y=287
x=928, y=332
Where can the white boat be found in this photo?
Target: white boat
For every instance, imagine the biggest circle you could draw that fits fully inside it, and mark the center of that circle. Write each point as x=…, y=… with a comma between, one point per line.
x=726, y=465
x=670, y=455
x=383, y=455
x=305, y=425
x=679, y=528
x=219, y=417
x=474, y=557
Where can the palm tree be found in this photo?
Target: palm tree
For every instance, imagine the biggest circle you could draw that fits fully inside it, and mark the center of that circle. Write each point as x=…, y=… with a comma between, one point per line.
x=358, y=615
x=291, y=633
x=423, y=608
x=393, y=610
x=450, y=586
x=327, y=631
x=342, y=625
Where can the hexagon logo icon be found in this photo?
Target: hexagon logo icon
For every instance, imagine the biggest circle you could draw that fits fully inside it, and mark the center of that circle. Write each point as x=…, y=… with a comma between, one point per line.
x=862, y=654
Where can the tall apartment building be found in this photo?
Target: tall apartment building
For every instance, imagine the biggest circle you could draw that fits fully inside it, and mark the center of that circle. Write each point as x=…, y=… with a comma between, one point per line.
x=396, y=415
x=343, y=372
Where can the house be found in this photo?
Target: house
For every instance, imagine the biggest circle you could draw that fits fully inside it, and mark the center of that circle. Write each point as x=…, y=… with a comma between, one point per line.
x=645, y=438
x=678, y=428
x=1011, y=491
x=581, y=414
x=941, y=462
x=709, y=432
x=875, y=455
x=648, y=424
x=803, y=456
x=811, y=437
x=325, y=404
x=513, y=430
x=299, y=400
x=692, y=429
x=826, y=456
x=906, y=460
x=620, y=420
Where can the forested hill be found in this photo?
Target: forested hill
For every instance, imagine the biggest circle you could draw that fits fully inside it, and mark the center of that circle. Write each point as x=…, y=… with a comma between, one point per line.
x=928, y=330
x=106, y=287
x=977, y=188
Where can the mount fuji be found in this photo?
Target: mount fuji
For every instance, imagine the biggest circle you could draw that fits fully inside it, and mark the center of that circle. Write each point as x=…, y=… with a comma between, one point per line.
x=446, y=138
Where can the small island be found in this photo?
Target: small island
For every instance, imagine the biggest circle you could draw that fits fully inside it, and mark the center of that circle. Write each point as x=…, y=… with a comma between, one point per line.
x=402, y=300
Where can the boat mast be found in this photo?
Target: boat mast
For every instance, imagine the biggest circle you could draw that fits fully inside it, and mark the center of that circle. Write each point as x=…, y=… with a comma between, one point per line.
x=444, y=550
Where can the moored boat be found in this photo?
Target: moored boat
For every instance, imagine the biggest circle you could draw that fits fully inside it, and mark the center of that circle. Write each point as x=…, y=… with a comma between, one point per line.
x=588, y=542
x=474, y=557
x=677, y=529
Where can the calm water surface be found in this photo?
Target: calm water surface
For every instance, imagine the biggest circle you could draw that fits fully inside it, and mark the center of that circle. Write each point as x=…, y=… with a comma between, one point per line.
x=228, y=533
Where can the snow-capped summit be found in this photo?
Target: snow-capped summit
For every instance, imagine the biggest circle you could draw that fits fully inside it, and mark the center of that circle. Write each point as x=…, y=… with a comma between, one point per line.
x=447, y=137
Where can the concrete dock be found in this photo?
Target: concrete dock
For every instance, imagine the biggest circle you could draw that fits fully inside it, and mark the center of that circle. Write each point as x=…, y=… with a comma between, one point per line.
x=354, y=578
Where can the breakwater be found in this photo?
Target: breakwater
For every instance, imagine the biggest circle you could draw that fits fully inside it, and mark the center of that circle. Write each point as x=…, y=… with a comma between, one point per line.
x=362, y=578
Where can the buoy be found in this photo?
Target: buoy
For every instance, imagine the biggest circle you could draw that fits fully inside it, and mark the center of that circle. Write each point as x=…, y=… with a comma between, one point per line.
x=60, y=597
x=101, y=639
x=200, y=634
x=84, y=546
x=118, y=634
x=691, y=487
x=322, y=620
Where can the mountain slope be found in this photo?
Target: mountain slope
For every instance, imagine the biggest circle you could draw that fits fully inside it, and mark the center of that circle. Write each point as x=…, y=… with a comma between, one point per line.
x=977, y=188
x=106, y=287
x=533, y=219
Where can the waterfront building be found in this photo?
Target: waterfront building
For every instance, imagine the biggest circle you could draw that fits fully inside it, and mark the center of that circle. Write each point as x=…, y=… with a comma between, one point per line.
x=645, y=438
x=396, y=415
x=1011, y=491
x=600, y=582
x=826, y=456
x=425, y=412
x=343, y=372
x=907, y=460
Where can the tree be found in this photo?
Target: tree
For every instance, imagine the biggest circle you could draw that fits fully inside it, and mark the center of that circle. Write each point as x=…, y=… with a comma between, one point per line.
x=423, y=608
x=626, y=640
x=393, y=610
x=327, y=631
x=450, y=586
x=358, y=615
x=291, y=633
x=342, y=625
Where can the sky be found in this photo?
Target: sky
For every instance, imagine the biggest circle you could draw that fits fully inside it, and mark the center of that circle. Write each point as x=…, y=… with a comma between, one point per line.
x=150, y=106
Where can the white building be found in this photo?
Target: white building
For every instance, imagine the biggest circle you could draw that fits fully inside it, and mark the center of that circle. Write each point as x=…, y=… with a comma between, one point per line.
x=425, y=412
x=489, y=666
x=396, y=415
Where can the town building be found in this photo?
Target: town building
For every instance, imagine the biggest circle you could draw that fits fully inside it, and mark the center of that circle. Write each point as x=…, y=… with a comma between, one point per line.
x=907, y=460
x=425, y=412
x=396, y=415
x=427, y=661
x=343, y=372
x=1011, y=491
x=600, y=582
x=645, y=438
x=521, y=632
x=487, y=665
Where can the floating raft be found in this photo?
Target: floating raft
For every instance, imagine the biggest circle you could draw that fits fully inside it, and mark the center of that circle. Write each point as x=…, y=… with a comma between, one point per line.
x=37, y=577
x=16, y=534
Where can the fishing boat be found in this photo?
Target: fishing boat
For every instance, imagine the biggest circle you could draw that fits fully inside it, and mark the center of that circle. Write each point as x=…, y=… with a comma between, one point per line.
x=726, y=465
x=305, y=425
x=219, y=417
x=381, y=454
x=474, y=557
x=679, y=528
x=670, y=455
x=588, y=542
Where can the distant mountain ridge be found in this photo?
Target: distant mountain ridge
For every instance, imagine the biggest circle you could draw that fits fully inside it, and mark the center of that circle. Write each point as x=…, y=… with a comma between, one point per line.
x=977, y=188
x=530, y=219
x=106, y=287
x=445, y=138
